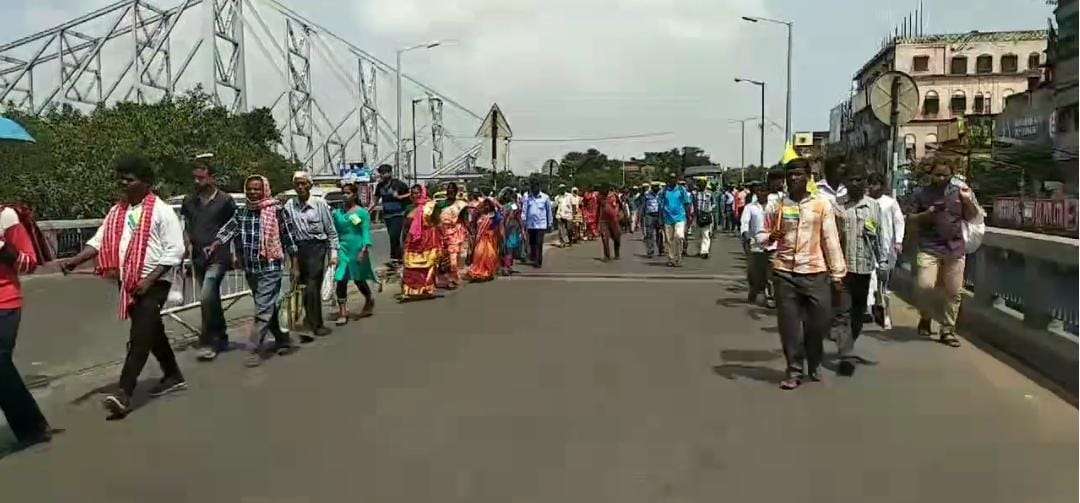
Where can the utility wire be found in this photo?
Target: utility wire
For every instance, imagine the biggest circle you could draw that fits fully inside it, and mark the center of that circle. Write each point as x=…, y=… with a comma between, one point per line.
x=604, y=138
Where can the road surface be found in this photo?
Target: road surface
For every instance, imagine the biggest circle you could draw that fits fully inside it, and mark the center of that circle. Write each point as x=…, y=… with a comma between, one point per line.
x=585, y=381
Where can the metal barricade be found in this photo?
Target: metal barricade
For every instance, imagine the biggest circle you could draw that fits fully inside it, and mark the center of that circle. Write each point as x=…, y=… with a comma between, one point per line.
x=233, y=288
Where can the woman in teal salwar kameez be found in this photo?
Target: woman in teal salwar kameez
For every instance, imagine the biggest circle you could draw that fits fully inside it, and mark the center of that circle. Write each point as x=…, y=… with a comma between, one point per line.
x=353, y=224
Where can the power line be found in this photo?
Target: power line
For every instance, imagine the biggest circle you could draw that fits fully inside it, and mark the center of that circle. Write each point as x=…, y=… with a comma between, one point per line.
x=603, y=138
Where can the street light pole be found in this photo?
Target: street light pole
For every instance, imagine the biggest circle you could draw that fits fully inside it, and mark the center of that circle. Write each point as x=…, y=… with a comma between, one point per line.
x=397, y=131
x=787, y=110
x=761, y=84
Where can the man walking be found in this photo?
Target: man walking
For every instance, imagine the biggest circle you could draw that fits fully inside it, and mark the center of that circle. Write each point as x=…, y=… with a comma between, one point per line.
x=757, y=266
x=863, y=246
x=730, y=225
x=18, y=255
x=892, y=231
x=651, y=220
x=675, y=207
x=564, y=204
x=703, y=210
x=315, y=238
x=393, y=194
x=536, y=209
x=263, y=234
x=807, y=261
x=204, y=213
x=139, y=243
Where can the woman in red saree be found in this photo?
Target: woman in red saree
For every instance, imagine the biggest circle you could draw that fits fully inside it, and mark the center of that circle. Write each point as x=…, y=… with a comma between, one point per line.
x=422, y=246
x=590, y=209
x=454, y=234
x=486, y=260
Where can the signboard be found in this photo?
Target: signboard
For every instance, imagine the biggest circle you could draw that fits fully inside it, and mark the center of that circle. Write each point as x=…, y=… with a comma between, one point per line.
x=357, y=171
x=1056, y=215
x=804, y=139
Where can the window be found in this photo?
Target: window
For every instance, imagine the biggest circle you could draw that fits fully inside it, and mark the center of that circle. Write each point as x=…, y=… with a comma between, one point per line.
x=958, y=65
x=977, y=105
x=1008, y=63
x=1033, y=61
x=920, y=63
x=930, y=104
x=984, y=64
x=987, y=104
x=909, y=146
x=958, y=103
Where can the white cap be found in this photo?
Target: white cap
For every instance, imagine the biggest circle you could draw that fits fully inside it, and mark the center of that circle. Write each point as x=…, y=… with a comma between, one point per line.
x=301, y=175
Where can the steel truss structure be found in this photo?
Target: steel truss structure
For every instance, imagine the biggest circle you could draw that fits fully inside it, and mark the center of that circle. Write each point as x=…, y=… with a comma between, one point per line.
x=134, y=50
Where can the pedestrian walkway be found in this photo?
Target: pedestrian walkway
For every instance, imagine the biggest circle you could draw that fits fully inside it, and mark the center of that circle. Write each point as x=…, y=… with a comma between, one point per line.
x=582, y=381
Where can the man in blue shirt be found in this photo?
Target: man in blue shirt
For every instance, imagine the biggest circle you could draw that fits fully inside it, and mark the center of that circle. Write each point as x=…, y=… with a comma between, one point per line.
x=536, y=209
x=675, y=206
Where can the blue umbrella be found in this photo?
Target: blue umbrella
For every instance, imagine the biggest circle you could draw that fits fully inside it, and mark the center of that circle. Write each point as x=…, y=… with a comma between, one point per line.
x=11, y=130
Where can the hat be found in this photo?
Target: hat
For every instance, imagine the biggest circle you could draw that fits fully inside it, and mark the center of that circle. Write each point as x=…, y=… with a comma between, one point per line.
x=301, y=175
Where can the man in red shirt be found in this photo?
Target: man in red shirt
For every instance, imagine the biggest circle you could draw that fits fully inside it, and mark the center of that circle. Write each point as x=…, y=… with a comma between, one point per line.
x=610, y=214
x=17, y=255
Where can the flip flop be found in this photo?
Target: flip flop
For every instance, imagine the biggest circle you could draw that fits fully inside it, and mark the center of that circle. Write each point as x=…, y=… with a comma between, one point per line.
x=950, y=340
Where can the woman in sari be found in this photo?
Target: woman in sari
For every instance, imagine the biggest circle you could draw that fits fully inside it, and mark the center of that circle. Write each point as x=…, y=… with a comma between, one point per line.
x=353, y=224
x=486, y=258
x=422, y=246
x=454, y=234
x=590, y=208
x=513, y=231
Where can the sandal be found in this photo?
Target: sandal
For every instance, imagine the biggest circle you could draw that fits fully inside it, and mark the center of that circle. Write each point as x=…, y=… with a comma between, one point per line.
x=925, y=329
x=949, y=339
x=341, y=320
x=790, y=383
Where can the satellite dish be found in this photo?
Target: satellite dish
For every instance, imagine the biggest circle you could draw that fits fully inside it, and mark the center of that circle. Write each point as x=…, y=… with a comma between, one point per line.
x=894, y=91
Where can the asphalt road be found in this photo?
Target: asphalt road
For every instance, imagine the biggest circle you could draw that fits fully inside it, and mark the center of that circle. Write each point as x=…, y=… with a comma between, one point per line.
x=585, y=381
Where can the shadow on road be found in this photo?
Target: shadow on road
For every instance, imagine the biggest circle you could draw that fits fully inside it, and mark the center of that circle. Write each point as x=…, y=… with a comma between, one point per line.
x=750, y=355
x=733, y=371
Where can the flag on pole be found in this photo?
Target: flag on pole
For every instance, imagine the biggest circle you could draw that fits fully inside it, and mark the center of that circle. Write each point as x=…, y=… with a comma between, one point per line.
x=789, y=154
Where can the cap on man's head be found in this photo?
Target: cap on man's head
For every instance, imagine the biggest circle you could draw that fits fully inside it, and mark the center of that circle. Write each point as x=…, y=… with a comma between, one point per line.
x=301, y=175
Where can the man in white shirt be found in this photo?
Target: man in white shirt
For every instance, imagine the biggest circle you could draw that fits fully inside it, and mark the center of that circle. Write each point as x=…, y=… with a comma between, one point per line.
x=139, y=243
x=757, y=266
x=564, y=214
x=832, y=186
x=892, y=230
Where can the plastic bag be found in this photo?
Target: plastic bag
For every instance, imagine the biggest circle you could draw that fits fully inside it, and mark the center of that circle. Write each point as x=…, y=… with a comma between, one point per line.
x=179, y=284
x=974, y=232
x=328, y=284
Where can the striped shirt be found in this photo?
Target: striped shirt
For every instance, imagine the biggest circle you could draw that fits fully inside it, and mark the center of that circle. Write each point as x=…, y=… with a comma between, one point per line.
x=313, y=220
x=811, y=243
x=863, y=241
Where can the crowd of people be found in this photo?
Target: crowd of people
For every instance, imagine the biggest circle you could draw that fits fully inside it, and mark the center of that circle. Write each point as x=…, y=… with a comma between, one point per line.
x=820, y=253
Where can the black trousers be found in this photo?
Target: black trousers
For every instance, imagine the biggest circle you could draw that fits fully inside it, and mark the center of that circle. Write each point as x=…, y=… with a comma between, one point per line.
x=757, y=273
x=848, y=317
x=536, y=246
x=341, y=289
x=394, y=225
x=803, y=313
x=312, y=258
x=22, y=412
x=148, y=336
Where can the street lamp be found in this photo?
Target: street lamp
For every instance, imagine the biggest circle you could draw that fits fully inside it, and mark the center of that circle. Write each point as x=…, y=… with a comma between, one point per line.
x=742, y=147
x=761, y=84
x=787, y=109
x=397, y=146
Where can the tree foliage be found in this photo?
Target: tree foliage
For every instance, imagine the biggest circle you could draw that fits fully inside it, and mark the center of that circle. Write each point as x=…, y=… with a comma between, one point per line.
x=68, y=172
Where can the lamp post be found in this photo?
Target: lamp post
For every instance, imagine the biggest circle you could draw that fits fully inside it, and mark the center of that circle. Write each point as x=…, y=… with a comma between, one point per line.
x=742, y=147
x=761, y=84
x=397, y=69
x=787, y=109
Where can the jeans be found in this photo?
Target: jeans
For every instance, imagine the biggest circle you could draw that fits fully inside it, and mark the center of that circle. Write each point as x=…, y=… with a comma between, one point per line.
x=266, y=294
x=940, y=280
x=312, y=259
x=654, y=234
x=536, y=246
x=674, y=235
x=209, y=279
x=394, y=224
x=22, y=412
x=803, y=313
x=610, y=231
x=148, y=336
x=848, y=322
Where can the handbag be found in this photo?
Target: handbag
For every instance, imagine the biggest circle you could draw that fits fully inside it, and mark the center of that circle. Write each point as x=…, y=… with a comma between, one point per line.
x=972, y=230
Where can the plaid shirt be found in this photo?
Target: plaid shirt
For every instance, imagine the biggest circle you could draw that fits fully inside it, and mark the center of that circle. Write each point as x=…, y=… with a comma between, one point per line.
x=811, y=243
x=861, y=236
x=703, y=201
x=244, y=228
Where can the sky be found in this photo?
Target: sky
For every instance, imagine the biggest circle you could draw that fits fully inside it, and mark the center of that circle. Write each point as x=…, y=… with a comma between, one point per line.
x=563, y=69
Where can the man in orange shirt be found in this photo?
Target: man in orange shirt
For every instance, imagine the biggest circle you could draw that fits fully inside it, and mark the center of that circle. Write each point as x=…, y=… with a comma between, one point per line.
x=807, y=261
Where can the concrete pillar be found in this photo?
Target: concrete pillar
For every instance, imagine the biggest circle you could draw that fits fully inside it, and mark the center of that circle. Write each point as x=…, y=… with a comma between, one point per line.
x=1036, y=294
